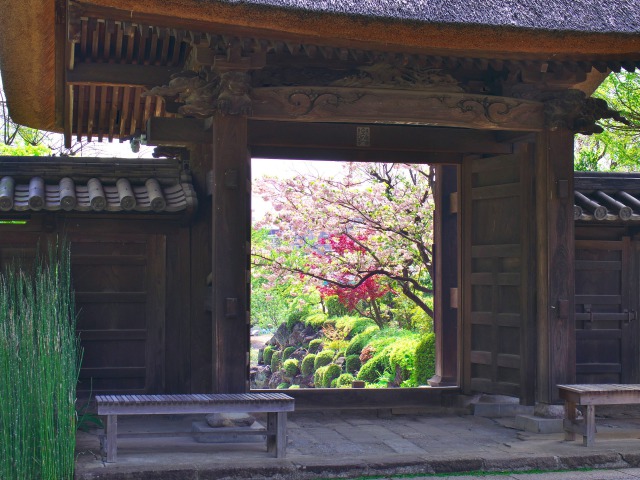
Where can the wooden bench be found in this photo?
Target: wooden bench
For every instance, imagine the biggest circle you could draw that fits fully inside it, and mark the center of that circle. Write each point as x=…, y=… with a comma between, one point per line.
x=590, y=395
x=275, y=405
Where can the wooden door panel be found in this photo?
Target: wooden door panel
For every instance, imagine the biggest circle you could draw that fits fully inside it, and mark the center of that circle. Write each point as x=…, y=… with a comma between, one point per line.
x=119, y=283
x=605, y=336
x=497, y=275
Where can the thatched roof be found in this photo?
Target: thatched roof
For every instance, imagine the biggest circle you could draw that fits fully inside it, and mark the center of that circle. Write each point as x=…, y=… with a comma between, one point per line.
x=33, y=36
x=559, y=15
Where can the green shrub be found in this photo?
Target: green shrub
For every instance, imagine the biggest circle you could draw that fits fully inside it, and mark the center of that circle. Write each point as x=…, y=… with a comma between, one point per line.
x=315, y=320
x=358, y=342
x=344, y=380
x=314, y=345
x=333, y=372
x=425, y=364
x=374, y=368
x=349, y=327
x=307, y=364
x=335, y=307
x=352, y=363
x=402, y=357
x=290, y=367
x=325, y=374
x=293, y=387
x=267, y=354
x=323, y=358
x=318, y=375
x=283, y=386
x=294, y=317
x=335, y=345
x=287, y=352
x=276, y=359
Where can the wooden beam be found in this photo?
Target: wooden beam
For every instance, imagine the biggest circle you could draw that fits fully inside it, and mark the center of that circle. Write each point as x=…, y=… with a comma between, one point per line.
x=346, y=155
x=445, y=322
x=177, y=131
x=230, y=250
x=397, y=138
x=121, y=75
x=357, y=105
x=555, y=290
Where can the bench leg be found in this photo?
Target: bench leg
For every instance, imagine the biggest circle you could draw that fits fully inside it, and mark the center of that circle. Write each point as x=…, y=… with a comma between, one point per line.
x=112, y=438
x=277, y=433
x=590, y=423
x=570, y=418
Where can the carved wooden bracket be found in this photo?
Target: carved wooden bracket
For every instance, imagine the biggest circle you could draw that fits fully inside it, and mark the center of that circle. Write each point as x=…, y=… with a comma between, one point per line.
x=572, y=110
x=226, y=92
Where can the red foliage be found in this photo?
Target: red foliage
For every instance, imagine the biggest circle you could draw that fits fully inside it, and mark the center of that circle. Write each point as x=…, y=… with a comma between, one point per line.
x=368, y=290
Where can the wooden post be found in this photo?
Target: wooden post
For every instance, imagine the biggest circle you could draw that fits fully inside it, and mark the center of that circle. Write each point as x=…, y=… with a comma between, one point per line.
x=445, y=237
x=230, y=242
x=555, y=263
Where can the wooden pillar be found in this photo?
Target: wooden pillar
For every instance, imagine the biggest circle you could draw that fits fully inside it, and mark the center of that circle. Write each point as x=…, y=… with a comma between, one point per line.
x=230, y=241
x=445, y=282
x=555, y=263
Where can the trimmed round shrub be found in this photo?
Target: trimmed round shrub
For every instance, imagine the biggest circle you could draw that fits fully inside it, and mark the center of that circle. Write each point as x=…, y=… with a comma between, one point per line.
x=307, y=364
x=344, y=380
x=287, y=352
x=358, y=342
x=326, y=374
x=333, y=372
x=293, y=387
x=276, y=361
x=290, y=367
x=323, y=358
x=425, y=366
x=283, y=386
x=352, y=363
x=318, y=376
x=314, y=345
x=267, y=354
x=373, y=369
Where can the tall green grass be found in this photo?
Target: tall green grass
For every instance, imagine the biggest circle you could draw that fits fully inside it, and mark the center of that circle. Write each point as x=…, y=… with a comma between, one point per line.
x=39, y=364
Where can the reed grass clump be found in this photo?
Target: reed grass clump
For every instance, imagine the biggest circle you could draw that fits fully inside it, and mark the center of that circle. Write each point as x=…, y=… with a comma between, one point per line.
x=39, y=365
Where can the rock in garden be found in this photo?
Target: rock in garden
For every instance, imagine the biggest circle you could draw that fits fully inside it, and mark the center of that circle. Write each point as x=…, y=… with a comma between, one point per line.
x=217, y=420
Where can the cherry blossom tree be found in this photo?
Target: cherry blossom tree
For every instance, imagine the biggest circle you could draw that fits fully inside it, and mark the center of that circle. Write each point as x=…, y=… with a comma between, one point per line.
x=360, y=235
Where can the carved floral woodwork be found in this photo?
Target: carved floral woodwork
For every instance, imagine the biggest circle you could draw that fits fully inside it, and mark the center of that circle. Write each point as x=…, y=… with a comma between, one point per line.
x=339, y=104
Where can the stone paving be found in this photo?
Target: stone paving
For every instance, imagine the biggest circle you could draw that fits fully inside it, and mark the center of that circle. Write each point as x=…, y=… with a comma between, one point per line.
x=351, y=444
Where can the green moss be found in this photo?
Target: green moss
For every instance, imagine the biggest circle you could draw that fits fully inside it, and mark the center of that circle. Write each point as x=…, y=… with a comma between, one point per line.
x=352, y=363
x=276, y=359
x=323, y=358
x=314, y=345
x=267, y=354
x=287, y=352
x=283, y=386
x=307, y=367
x=290, y=367
x=424, y=367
